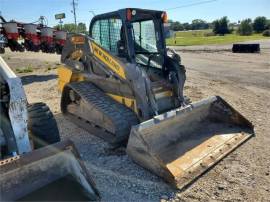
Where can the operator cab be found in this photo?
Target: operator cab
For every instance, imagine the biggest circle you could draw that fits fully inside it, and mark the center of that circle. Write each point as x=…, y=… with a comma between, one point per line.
x=137, y=36
x=134, y=35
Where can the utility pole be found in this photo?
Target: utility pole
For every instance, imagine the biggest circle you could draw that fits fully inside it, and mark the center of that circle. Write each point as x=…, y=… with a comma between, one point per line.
x=74, y=4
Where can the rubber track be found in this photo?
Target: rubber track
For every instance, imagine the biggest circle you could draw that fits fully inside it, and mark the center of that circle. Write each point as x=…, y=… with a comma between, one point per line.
x=122, y=117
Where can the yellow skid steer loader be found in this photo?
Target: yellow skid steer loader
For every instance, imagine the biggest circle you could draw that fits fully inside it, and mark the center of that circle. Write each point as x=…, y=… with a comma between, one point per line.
x=30, y=170
x=122, y=84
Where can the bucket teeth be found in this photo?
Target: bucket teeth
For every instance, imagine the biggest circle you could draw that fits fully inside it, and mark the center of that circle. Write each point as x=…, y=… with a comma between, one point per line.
x=186, y=142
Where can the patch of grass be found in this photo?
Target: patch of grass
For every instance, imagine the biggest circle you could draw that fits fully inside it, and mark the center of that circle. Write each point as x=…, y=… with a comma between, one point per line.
x=24, y=70
x=201, y=37
x=192, y=33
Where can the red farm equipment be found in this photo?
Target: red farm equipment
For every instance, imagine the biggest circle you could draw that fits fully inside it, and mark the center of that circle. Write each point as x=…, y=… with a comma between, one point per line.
x=12, y=34
x=3, y=39
x=59, y=39
x=47, y=41
x=31, y=37
x=19, y=36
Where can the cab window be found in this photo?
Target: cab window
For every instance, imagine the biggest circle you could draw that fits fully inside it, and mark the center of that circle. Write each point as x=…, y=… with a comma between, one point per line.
x=107, y=33
x=145, y=36
x=145, y=39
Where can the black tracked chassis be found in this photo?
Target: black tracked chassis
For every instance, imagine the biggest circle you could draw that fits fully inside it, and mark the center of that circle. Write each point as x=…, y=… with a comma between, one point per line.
x=98, y=113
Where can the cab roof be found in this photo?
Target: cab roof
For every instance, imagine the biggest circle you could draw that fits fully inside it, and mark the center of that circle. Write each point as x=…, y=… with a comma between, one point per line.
x=139, y=14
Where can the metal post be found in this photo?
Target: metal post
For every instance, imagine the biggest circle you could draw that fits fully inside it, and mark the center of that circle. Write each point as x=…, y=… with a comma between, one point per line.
x=74, y=13
x=61, y=24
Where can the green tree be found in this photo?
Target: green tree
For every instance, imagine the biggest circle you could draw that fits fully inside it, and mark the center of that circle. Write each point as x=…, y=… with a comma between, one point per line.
x=245, y=27
x=177, y=26
x=224, y=25
x=260, y=24
x=82, y=28
x=268, y=24
x=221, y=26
x=216, y=26
x=186, y=26
x=199, y=24
x=71, y=27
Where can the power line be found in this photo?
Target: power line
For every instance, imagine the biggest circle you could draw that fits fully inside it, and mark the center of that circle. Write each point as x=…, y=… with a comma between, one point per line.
x=192, y=4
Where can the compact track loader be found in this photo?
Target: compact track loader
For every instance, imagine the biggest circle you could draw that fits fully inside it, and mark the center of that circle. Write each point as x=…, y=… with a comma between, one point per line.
x=122, y=84
x=29, y=169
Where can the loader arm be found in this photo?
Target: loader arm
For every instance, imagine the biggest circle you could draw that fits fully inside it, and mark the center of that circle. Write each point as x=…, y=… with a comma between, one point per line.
x=17, y=111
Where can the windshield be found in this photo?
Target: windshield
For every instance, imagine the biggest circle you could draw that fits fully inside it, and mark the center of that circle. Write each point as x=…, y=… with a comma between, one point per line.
x=145, y=43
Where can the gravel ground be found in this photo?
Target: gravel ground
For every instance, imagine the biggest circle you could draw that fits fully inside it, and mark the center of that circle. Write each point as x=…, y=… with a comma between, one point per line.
x=241, y=79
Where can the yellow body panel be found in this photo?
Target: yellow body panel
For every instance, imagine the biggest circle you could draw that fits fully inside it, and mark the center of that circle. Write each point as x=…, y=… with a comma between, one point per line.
x=65, y=75
x=107, y=59
x=163, y=94
x=130, y=103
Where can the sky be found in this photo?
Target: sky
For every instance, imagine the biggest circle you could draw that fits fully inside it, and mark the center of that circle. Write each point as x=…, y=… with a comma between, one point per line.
x=180, y=10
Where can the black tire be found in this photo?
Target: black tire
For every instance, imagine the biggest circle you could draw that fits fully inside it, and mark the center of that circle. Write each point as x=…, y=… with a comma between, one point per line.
x=42, y=125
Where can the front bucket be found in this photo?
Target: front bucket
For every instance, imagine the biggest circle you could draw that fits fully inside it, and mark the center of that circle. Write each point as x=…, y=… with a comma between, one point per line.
x=52, y=173
x=181, y=144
